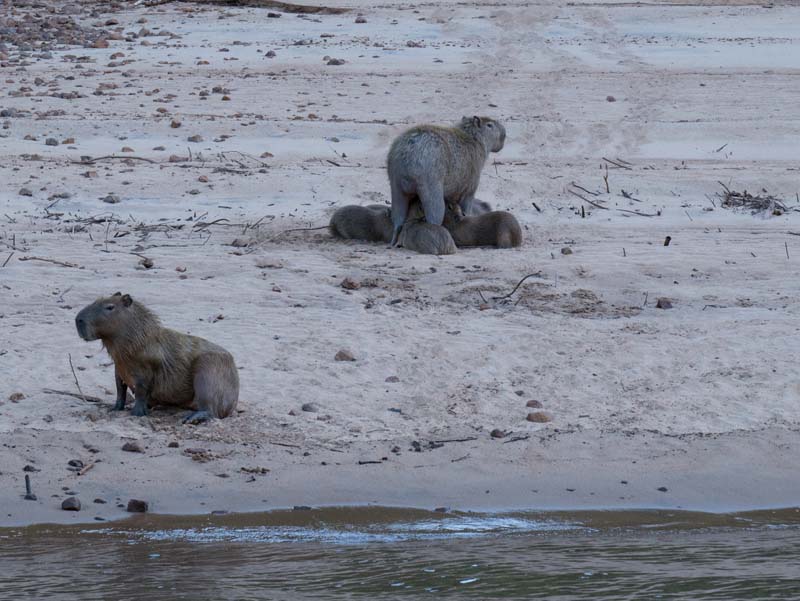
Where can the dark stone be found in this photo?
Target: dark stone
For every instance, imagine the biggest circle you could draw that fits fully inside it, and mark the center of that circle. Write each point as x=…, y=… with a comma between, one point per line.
x=301, y=508
x=71, y=504
x=662, y=489
x=137, y=506
x=310, y=407
x=132, y=447
x=498, y=433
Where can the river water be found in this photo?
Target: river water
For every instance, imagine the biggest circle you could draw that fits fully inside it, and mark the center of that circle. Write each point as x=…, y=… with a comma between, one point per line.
x=379, y=553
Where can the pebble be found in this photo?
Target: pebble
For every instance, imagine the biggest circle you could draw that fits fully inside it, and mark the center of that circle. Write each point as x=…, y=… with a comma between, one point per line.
x=100, y=501
x=273, y=15
x=25, y=192
x=111, y=199
x=663, y=303
x=533, y=404
x=336, y=61
x=271, y=54
x=498, y=433
x=173, y=444
x=566, y=250
x=350, y=284
x=360, y=20
x=71, y=504
x=392, y=379
x=310, y=407
x=344, y=355
x=51, y=142
x=611, y=99
x=195, y=138
x=137, y=506
x=30, y=468
x=15, y=397
x=132, y=447
x=539, y=417
x=662, y=489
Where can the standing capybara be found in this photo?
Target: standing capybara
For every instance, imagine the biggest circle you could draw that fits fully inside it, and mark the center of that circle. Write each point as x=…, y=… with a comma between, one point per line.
x=372, y=223
x=160, y=365
x=438, y=165
x=495, y=228
x=426, y=238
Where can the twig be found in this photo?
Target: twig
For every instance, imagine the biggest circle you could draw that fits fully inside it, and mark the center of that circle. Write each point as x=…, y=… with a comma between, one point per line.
x=333, y=162
x=62, y=263
x=111, y=156
x=638, y=213
x=535, y=206
x=89, y=399
x=74, y=375
x=363, y=462
x=605, y=179
x=468, y=439
x=583, y=198
x=530, y=275
x=620, y=165
x=284, y=444
x=786, y=246
x=8, y=258
x=644, y=304
x=305, y=229
x=85, y=469
x=517, y=438
x=573, y=184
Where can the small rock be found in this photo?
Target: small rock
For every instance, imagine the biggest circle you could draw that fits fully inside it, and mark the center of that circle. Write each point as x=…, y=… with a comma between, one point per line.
x=77, y=463
x=173, y=444
x=30, y=468
x=175, y=124
x=498, y=433
x=533, y=404
x=146, y=263
x=566, y=250
x=336, y=61
x=392, y=379
x=273, y=15
x=611, y=99
x=111, y=199
x=663, y=303
x=442, y=509
x=350, y=284
x=51, y=142
x=132, y=447
x=137, y=506
x=360, y=20
x=195, y=138
x=344, y=355
x=15, y=397
x=271, y=54
x=203, y=179
x=68, y=141
x=25, y=192
x=539, y=417
x=100, y=501
x=127, y=149
x=301, y=508
x=310, y=407
x=662, y=489
x=71, y=504
x=101, y=43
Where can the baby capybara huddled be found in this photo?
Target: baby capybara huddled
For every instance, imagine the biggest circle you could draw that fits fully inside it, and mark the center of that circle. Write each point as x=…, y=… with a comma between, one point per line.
x=160, y=366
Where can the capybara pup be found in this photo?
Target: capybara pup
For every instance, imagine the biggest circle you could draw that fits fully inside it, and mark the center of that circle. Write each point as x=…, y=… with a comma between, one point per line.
x=372, y=223
x=495, y=228
x=427, y=238
x=161, y=366
x=438, y=165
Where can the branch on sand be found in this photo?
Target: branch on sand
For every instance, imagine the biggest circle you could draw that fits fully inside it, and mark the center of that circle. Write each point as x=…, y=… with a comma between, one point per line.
x=287, y=7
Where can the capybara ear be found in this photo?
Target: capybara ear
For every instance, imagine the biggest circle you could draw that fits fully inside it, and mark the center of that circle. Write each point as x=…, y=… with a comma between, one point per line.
x=127, y=300
x=476, y=121
x=117, y=294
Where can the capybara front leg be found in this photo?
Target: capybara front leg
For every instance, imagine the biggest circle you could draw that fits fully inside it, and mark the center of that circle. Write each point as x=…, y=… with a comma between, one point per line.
x=142, y=396
x=122, y=392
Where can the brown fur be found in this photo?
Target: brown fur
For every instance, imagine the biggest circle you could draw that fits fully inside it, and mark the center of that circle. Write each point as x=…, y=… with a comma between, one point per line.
x=372, y=223
x=161, y=366
x=495, y=228
x=426, y=238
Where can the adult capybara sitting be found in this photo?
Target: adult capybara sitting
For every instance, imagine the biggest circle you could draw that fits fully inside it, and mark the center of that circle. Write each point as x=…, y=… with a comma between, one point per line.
x=161, y=366
x=495, y=228
x=372, y=223
x=438, y=165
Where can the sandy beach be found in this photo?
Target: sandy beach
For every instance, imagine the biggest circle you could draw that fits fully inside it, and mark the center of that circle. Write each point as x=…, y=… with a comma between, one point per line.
x=168, y=154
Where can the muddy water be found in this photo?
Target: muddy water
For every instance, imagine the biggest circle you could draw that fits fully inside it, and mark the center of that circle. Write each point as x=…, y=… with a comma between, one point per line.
x=400, y=554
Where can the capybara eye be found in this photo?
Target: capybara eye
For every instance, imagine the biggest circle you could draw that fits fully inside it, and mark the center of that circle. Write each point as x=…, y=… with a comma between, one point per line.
x=109, y=307
x=489, y=125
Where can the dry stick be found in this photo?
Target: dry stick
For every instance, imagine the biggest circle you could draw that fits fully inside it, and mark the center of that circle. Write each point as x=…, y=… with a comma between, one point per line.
x=62, y=263
x=620, y=165
x=535, y=206
x=305, y=229
x=583, y=198
x=468, y=439
x=517, y=438
x=284, y=444
x=8, y=258
x=786, y=246
x=74, y=375
x=605, y=179
x=111, y=156
x=573, y=184
x=638, y=213
x=530, y=275
x=85, y=469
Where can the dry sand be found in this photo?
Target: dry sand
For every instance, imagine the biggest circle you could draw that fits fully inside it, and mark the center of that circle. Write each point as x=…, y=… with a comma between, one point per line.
x=700, y=399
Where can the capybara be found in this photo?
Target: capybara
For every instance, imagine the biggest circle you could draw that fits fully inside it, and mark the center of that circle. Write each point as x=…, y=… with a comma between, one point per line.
x=426, y=238
x=438, y=165
x=372, y=223
x=495, y=228
x=161, y=366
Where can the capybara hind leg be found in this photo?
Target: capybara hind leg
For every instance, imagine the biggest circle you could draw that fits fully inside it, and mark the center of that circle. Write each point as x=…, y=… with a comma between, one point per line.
x=431, y=197
x=216, y=386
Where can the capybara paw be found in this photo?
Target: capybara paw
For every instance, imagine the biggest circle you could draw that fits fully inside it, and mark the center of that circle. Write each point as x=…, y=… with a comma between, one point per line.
x=139, y=411
x=197, y=417
x=118, y=406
